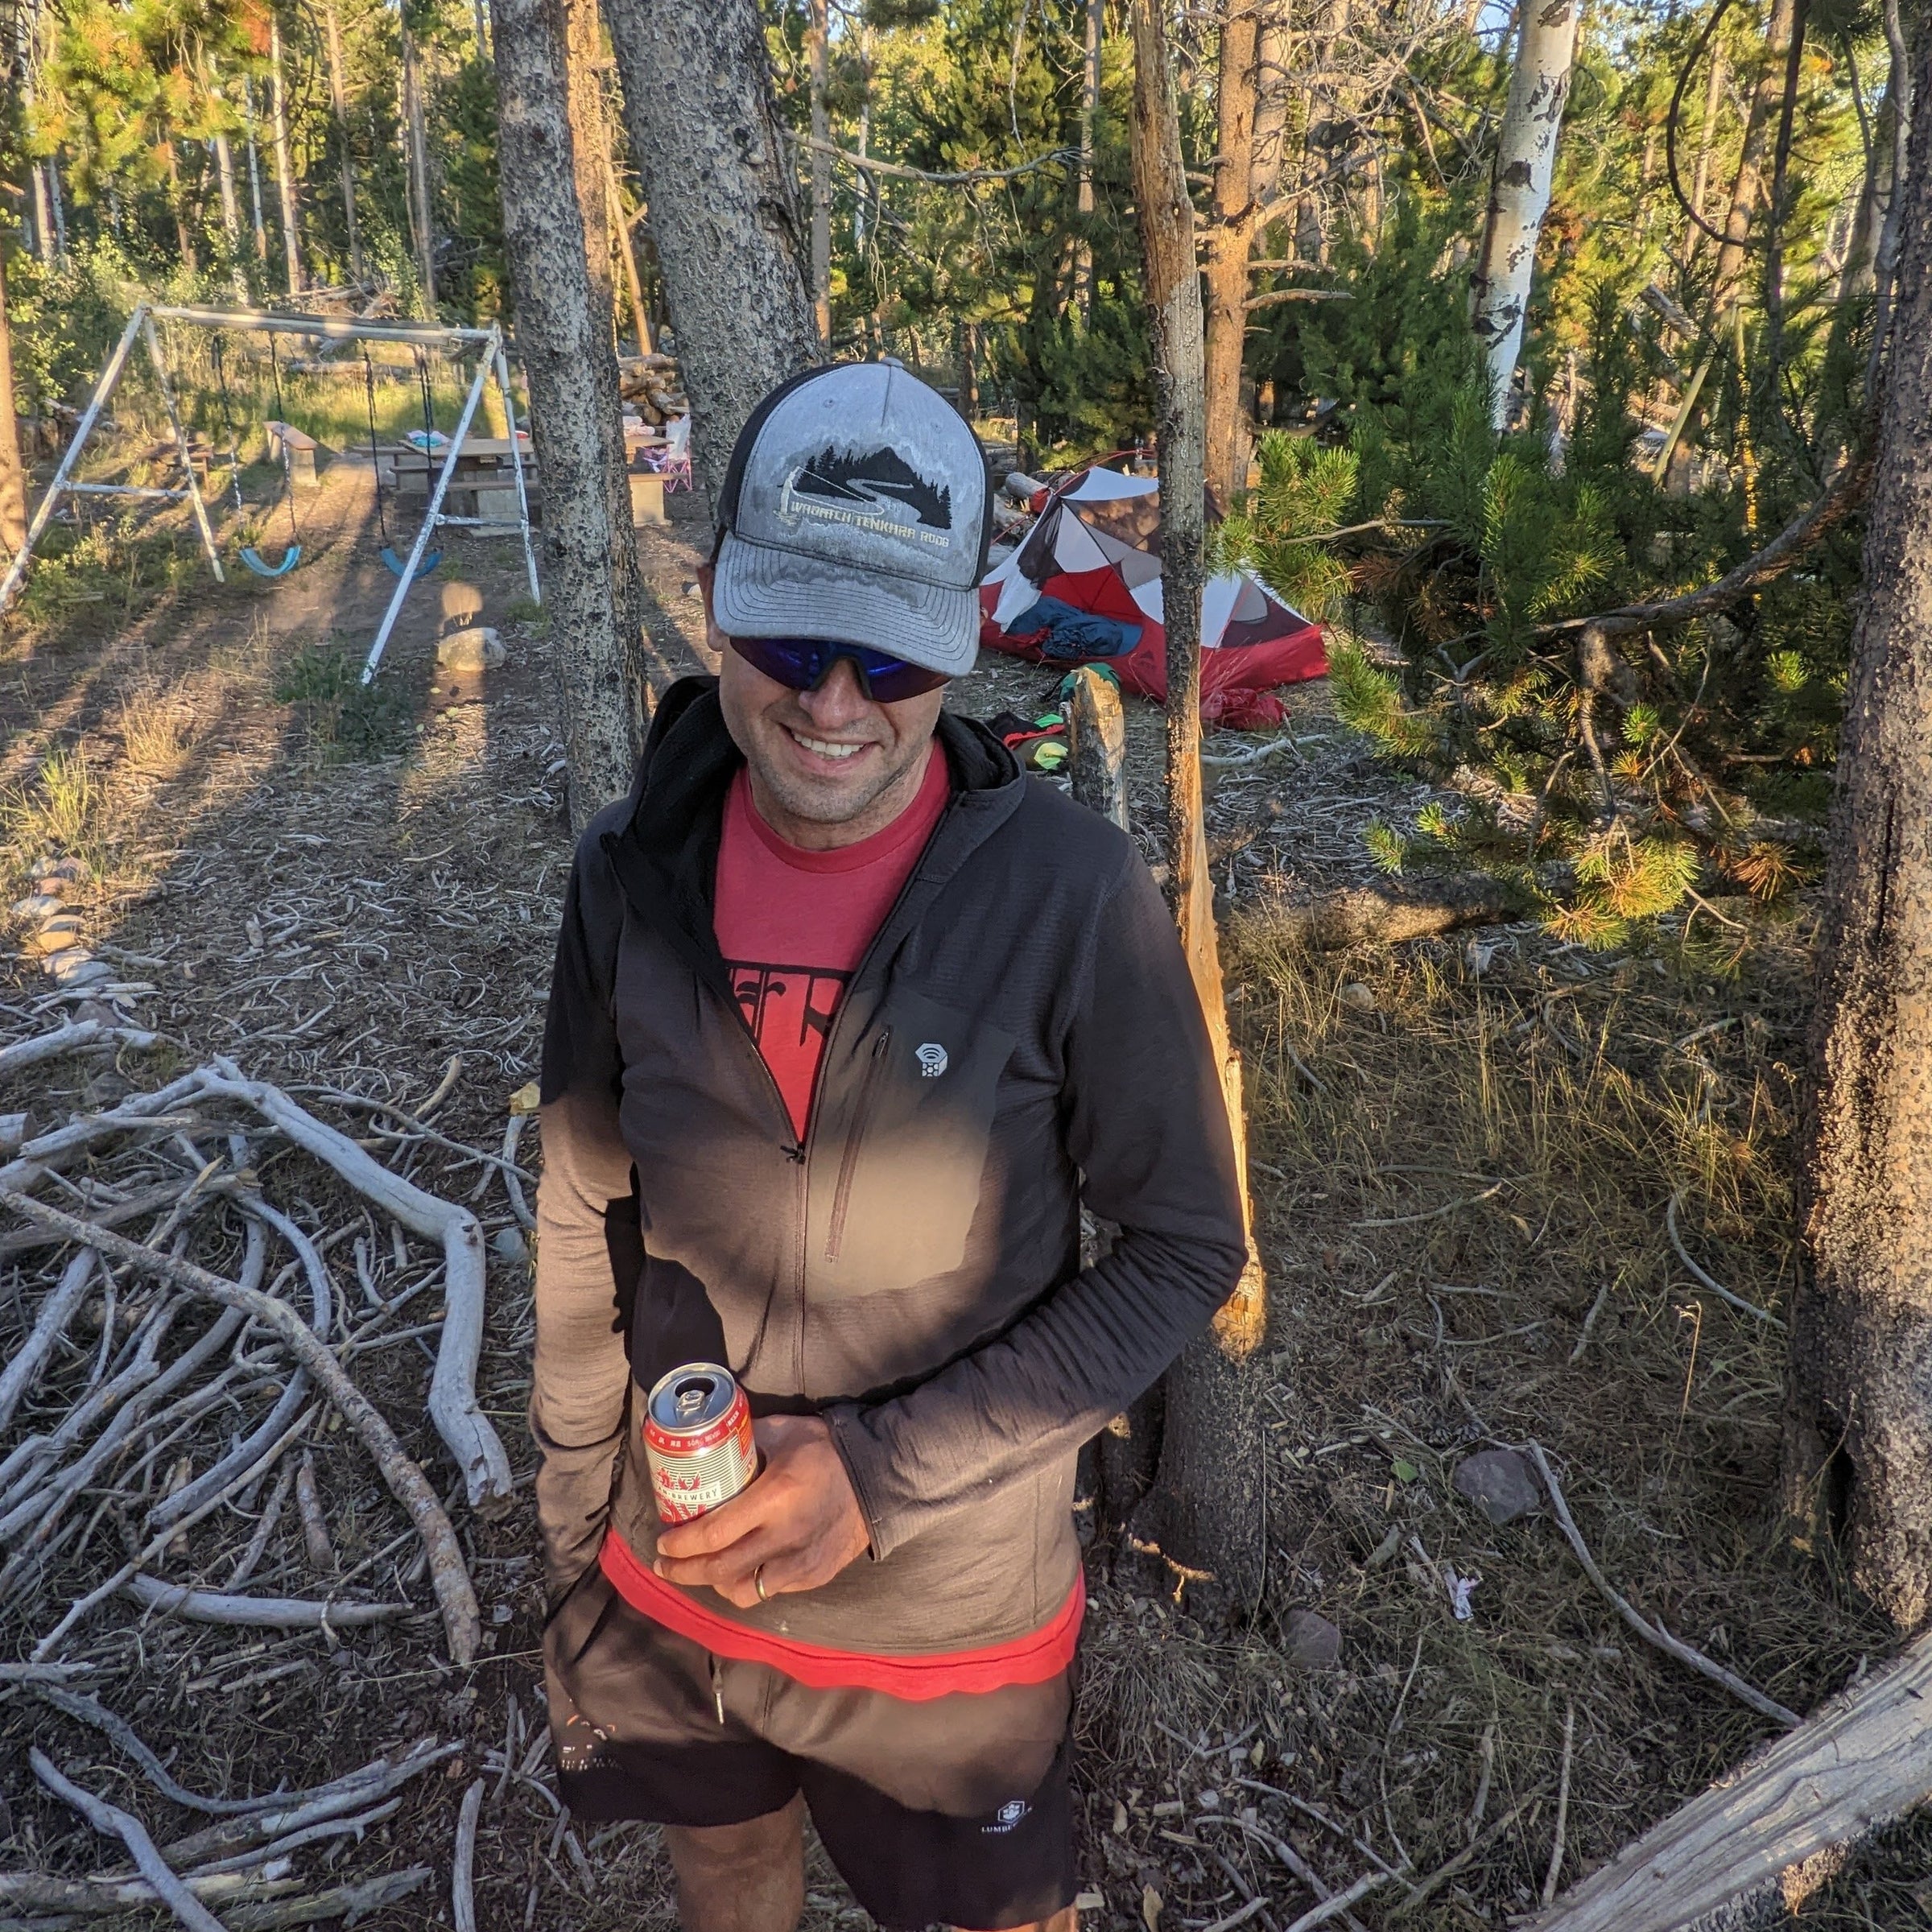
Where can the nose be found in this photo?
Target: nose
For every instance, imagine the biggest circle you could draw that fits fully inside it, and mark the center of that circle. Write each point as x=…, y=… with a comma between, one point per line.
x=839, y=701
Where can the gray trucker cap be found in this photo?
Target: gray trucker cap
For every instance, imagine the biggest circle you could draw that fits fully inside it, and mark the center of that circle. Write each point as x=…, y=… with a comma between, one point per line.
x=856, y=510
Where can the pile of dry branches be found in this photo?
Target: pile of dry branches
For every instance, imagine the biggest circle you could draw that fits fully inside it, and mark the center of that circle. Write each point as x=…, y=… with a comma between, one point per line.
x=181, y=1347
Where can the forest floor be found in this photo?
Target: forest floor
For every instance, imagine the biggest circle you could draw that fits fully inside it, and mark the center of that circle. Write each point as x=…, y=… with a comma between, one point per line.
x=1481, y=1164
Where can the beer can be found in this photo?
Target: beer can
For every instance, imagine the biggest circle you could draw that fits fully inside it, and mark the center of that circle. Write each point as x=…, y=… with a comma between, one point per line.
x=698, y=1440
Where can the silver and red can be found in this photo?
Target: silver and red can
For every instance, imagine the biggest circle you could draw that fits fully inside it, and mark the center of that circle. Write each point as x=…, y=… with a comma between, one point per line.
x=698, y=1440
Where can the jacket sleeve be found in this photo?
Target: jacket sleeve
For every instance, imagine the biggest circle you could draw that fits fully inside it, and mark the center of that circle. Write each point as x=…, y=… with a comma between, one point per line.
x=1148, y=1126
x=589, y=1251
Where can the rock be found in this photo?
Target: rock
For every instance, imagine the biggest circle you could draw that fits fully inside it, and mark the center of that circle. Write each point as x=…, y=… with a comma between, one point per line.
x=478, y=648
x=1499, y=1482
x=52, y=875
x=79, y=968
x=1358, y=996
x=38, y=906
x=1314, y=1643
x=57, y=935
x=510, y=1245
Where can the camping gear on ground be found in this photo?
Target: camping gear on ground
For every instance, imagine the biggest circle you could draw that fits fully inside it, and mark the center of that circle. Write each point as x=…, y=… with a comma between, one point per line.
x=673, y=461
x=1094, y=552
x=698, y=1440
x=1039, y=743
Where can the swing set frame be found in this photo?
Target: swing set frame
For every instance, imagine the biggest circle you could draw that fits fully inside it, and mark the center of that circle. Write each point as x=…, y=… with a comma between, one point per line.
x=141, y=324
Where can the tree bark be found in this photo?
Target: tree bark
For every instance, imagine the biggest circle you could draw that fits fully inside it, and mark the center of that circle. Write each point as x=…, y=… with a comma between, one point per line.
x=1230, y=233
x=254, y=173
x=422, y=216
x=583, y=51
x=1206, y=1516
x=1519, y=193
x=13, y=473
x=703, y=134
x=817, y=53
x=627, y=253
x=1858, y=1424
x=338, y=98
x=593, y=586
x=1096, y=25
x=285, y=171
x=1747, y=186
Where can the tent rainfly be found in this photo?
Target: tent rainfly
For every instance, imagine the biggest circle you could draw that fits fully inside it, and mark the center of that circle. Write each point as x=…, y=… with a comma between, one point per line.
x=1085, y=585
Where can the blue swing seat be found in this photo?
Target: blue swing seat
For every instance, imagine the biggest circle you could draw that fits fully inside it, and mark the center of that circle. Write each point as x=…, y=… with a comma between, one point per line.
x=397, y=565
x=260, y=565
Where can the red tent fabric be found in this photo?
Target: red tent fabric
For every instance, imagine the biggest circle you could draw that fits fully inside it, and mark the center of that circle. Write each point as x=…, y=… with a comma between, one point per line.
x=1095, y=548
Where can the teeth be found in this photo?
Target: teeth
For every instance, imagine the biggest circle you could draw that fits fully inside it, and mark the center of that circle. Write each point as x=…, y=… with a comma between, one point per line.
x=825, y=748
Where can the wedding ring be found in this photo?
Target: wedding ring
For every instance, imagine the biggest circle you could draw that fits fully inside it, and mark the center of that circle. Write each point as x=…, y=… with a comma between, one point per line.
x=757, y=1583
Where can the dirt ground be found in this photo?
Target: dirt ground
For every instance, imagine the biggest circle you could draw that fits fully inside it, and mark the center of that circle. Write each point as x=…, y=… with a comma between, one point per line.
x=1481, y=1166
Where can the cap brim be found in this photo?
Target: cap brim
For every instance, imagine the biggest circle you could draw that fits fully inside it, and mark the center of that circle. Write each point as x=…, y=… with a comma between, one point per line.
x=759, y=591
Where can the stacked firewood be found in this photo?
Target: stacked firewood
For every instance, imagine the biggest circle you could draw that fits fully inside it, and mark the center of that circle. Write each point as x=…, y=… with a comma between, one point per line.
x=652, y=387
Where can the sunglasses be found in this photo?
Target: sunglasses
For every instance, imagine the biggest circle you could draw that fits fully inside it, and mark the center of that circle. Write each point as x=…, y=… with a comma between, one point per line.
x=804, y=663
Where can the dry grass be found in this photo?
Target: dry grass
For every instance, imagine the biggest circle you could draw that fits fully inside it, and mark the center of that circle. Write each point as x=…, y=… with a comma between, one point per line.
x=1461, y=1187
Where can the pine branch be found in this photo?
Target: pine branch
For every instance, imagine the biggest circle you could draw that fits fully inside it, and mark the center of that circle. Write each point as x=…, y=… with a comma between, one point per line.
x=1840, y=497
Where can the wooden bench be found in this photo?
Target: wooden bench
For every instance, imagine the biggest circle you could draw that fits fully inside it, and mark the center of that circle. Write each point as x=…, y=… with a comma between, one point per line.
x=298, y=451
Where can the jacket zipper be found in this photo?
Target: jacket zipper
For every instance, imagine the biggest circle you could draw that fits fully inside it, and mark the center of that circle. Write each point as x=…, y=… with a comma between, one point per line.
x=848, y=1162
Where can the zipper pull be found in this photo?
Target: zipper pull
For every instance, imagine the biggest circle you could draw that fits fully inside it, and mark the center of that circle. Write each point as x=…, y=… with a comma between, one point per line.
x=717, y=1687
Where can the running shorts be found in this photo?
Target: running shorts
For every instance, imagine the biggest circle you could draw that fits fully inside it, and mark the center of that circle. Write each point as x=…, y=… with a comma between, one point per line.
x=955, y=1810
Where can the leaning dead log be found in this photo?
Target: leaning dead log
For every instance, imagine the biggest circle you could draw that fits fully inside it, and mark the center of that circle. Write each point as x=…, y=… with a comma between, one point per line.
x=1392, y=910
x=1859, y=1761
x=1097, y=744
x=449, y=1574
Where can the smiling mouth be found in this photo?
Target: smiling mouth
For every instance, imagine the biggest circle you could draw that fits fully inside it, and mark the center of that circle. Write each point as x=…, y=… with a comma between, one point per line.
x=826, y=748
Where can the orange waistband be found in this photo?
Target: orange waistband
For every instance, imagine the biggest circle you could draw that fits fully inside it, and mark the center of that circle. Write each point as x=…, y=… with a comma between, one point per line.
x=1031, y=1659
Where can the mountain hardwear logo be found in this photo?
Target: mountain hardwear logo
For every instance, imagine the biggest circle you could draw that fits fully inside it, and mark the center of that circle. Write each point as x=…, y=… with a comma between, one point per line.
x=1008, y=1815
x=931, y=1058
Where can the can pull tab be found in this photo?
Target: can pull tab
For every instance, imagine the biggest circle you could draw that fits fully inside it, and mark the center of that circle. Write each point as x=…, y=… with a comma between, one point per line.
x=717, y=1687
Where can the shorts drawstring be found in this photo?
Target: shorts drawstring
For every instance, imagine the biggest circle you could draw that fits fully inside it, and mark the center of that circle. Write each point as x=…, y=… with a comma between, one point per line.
x=717, y=1684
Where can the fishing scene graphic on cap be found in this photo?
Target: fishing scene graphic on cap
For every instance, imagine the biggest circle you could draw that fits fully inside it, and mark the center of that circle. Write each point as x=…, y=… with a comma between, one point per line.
x=873, y=489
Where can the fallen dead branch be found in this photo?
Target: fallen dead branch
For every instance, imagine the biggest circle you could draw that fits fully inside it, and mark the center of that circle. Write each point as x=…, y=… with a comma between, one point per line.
x=132, y=1833
x=257, y=1612
x=1393, y=910
x=449, y=1576
x=1864, y=1758
x=1697, y=1274
x=462, y=1878
x=49, y=1325
x=478, y=1450
x=1651, y=1632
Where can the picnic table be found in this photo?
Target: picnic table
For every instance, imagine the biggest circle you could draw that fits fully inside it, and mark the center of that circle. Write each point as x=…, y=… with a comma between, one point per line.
x=483, y=484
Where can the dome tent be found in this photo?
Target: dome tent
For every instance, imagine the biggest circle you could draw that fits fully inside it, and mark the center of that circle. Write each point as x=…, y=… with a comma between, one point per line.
x=1084, y=585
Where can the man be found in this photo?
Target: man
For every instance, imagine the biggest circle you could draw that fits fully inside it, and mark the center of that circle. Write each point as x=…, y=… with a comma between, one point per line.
x=847, y=1019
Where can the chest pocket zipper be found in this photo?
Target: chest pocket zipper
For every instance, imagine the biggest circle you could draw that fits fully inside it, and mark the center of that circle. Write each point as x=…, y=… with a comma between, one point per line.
x=848, y=1162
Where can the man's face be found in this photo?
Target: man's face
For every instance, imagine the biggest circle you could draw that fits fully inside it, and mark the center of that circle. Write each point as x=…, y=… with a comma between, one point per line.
x=830, y=757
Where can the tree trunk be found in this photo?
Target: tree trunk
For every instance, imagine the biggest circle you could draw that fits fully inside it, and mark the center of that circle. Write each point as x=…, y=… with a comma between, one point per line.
x=583, y=51
x=285, y=171
x=594, y=589
x=1858, y=1427
x=703, y=134
x=1747, y=188
x=817, y=53
x=1519, y=193
x=254, y=173
x=627, y=253
x=231, y=206
x=13, y=473
x=1230, y=232
x=422, y=216
x=1096, y=12
x=184, y=237
x=338, y=95
x=1207, y=1515
x=1700, y=179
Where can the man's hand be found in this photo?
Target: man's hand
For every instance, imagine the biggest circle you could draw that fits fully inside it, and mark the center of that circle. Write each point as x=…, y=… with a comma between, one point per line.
x=798, y=1521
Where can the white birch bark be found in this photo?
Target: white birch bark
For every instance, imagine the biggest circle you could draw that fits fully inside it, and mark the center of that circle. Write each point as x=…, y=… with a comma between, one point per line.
x=1519, y=194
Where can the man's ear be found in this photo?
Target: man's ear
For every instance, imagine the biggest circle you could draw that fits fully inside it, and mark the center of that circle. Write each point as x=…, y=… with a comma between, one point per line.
x=714, y=638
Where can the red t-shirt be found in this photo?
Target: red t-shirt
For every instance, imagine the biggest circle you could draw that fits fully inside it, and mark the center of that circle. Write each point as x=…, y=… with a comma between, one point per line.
x=794, y=925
